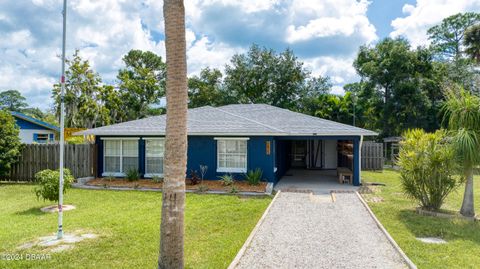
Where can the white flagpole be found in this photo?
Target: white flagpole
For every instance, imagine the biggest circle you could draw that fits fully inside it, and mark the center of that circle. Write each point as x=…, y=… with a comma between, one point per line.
x=62, y=125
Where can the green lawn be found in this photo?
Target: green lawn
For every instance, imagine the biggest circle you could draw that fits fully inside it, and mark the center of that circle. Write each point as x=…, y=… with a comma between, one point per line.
x=397, y=214
x=128, y=224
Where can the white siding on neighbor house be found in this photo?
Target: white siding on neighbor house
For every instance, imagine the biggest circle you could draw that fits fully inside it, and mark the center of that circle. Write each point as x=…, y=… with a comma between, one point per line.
x=26, y=135
x=330, y=151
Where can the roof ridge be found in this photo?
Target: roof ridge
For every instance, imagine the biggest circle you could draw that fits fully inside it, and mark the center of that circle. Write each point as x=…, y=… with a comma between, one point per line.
x=318, y=118
x=34, y=120
x=254, y=121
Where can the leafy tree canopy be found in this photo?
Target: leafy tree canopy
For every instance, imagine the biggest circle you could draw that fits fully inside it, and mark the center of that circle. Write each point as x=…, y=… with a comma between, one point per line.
x=404, y=78
x=9, y=142
x=82, y=94
x=447, y=37
x=207, y=89
x=141, y=82
x=263, y=76
x=472, y=42
x=12, y=100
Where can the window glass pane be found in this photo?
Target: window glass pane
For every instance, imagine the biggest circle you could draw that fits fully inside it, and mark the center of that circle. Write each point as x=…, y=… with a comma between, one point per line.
x=232, y=154
x=154, y=148
x=221, y=146
x=130, y=148
x=112, y=147
x=129, y=163
x=112, y=164
x=154, y=165
x=232, y=147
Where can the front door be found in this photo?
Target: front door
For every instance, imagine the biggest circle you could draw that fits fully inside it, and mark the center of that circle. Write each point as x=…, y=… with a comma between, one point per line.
x=299, y=154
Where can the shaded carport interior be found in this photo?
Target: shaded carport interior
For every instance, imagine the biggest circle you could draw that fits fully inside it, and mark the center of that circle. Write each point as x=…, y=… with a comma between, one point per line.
x=317, y=169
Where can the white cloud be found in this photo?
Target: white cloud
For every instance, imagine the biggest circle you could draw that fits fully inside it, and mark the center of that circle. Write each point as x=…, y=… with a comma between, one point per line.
x=329, y=18
x=104, y=31
x=427, y=13
x=29, y=49
x=340, y=70
x=202, y=53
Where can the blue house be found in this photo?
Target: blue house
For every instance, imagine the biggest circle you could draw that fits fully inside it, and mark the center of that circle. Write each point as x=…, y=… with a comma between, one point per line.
x=33, y=130
x=233, y=139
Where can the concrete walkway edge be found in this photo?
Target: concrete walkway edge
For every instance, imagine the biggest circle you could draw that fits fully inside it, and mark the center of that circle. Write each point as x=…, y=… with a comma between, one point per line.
x=407, y=260
x=252, y=234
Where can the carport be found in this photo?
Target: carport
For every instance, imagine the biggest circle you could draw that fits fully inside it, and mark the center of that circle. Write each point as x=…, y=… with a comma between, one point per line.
x=311, y=162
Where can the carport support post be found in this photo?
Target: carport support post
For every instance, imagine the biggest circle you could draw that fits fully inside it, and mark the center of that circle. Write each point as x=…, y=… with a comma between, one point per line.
x=356, y=162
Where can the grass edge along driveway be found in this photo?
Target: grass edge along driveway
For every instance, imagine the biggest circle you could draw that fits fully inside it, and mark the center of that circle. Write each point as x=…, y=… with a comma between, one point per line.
x=397, y=215
x=128, y=225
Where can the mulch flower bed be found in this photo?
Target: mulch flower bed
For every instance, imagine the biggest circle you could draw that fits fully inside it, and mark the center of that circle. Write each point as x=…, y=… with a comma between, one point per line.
x=208, y=185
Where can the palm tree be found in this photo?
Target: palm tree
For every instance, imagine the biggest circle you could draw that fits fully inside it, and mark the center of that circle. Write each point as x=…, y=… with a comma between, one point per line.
x=472, y=42
x=462, y=113
x=173, y=196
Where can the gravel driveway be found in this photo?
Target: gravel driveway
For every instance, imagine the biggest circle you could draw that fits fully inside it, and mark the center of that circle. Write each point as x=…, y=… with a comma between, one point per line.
x=310, y=231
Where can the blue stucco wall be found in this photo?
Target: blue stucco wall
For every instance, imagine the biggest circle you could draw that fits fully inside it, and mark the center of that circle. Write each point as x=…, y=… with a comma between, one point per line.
x=202, y=150
x=23, y=124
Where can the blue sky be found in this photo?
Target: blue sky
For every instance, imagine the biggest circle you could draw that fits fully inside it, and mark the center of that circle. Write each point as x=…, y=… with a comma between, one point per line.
x=324, y=34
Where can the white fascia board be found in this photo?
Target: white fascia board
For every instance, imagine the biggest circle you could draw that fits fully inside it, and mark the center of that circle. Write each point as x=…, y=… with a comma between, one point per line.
x=231, y=138
x=120, y=138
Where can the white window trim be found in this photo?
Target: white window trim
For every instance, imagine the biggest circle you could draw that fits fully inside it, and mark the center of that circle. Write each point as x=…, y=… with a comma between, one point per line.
x=119, y=138
x=154, y=138
x=227, y=169
x=231, y=138
x=231, y=170
x=151, y=175
x=117, y=174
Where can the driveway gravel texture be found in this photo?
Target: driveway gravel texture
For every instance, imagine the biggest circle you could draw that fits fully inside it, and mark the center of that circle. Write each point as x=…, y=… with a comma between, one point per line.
x=303, y=230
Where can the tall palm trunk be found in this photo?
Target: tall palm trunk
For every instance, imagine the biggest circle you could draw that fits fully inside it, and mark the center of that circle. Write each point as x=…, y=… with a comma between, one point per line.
x=468, y=208
x=171, y=228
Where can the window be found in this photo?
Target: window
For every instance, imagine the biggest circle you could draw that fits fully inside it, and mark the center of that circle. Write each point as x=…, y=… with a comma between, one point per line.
x=129, y=155
x=40, y=138
x=154, y=150
x=120, y=155
x=112, y=156
x=232, y=155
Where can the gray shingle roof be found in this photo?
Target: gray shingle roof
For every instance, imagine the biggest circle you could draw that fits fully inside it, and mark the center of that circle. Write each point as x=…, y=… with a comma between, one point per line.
x=247, y=119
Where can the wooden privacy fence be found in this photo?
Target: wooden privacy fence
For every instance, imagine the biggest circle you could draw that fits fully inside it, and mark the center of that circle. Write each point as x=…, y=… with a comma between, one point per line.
x=372, y=156
x=80, y=159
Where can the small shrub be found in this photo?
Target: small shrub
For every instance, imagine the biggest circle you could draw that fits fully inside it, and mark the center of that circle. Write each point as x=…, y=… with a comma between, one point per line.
x=202, y=188
x=132, y=175
x=233, y=189
x=428, y=167
x=194, y=178
x=48, y=184
x=253, y=177
x=157, y=179
x=136, y=186
x=109, y=178
x=203, y=171
x=227, y=180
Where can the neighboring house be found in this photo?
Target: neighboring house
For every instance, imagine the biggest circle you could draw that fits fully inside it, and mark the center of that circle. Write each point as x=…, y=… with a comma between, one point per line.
x=233, y=139
x=33, y=130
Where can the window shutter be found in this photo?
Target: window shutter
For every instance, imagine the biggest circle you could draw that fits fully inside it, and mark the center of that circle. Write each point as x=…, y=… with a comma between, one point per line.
x=51, y=137
x=35, y=137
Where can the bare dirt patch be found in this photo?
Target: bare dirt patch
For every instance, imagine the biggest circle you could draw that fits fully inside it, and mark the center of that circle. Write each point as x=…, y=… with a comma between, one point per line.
x=208, y=185
x=52, y=244
x=432, y=240
x=54, y=208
